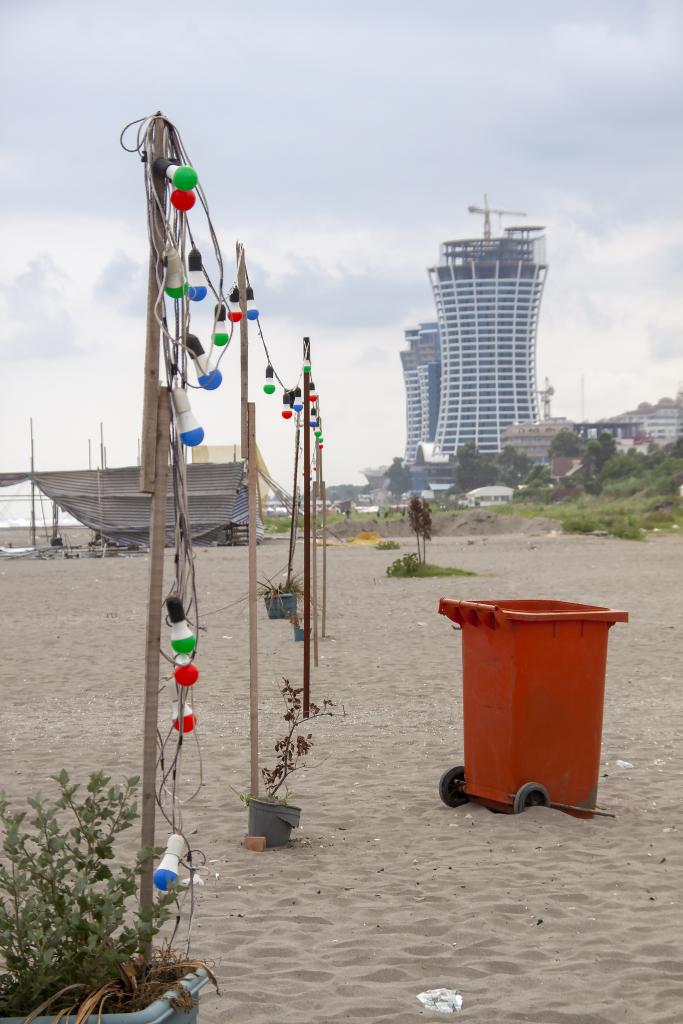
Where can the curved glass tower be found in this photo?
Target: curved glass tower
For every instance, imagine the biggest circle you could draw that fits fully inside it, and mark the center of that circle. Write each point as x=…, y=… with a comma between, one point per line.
x=421, y=376
x=488, y=295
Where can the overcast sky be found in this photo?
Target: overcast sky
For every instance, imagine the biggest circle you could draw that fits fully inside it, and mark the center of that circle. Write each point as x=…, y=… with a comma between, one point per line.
x=342, y=141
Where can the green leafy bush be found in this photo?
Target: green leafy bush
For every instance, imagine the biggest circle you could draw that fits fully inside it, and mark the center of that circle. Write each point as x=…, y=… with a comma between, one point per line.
x=65, y=915
x=388, y=545
x=410, y=566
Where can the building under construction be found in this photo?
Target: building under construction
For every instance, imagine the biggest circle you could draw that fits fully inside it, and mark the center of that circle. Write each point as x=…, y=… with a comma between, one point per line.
x=487, y=293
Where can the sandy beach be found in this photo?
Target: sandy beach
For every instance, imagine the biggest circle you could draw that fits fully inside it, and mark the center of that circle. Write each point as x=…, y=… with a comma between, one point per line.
x=385, y=892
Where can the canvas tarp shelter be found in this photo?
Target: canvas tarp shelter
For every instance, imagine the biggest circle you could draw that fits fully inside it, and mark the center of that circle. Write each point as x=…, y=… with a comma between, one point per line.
x=110, y=502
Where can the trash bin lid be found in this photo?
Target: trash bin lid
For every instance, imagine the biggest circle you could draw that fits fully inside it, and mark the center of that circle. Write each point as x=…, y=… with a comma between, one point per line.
x=527, y=611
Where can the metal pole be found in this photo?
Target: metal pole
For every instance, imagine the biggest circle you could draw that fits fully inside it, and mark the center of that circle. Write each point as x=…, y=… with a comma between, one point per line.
x=157, y=541
x=33, y=494
x=252, y=469
x=307, y=538
x=89, y=455
x=152, y=344
x=244, y=349
x=101, y=447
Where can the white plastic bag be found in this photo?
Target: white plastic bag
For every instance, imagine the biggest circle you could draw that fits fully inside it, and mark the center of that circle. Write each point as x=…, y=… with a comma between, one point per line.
x=442, y=1000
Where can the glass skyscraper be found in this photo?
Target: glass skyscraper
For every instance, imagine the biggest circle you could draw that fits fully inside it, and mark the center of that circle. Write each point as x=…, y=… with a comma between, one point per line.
x=488, y=295
x=421, y=363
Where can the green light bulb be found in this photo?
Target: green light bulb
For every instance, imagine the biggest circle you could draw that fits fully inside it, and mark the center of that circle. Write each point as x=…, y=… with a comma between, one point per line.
x=185, y=177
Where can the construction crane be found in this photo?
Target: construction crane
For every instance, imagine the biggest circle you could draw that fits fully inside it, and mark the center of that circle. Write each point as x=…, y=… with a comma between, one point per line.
x=488, y=210
x=545, y=395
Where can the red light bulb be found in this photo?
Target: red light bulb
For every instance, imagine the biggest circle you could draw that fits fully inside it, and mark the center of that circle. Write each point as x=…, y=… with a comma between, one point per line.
x=286, y=414
x=186, y=675
x=189, y=719
x=235, y=317
x=183, y=200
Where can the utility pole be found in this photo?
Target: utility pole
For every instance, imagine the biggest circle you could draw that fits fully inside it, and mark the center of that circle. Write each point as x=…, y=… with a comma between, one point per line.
x=253, y=638
x=307, y=533
x=102, y=466
x=155, y=442
x=152, y=344
x=33, y=493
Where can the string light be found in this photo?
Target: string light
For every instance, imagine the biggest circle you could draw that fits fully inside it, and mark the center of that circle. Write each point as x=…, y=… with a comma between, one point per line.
x=287, y=411
x=183, y=640
x=181, y=176
x=175, y=284
x=189, y=430
x=183, y=201
x=269, y=385
x=167, y=872
x=195, y=277
x=189, y=719
x=220, y=330
x=186, y=675
x=252, y=312
x=298, y=402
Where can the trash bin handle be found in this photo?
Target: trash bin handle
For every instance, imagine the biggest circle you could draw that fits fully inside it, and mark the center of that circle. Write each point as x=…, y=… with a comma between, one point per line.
x=602, y=616
x=494, y=614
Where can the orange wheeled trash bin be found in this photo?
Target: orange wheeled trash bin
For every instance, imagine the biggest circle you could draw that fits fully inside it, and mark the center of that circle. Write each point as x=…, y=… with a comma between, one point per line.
x=533, y=688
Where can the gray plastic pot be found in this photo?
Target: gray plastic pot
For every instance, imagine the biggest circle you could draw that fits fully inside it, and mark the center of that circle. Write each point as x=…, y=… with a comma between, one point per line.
x=272, y=820
x=157, y=1012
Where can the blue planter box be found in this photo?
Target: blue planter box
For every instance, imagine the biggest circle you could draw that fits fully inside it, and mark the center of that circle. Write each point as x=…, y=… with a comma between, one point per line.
x=159, y=1011
x=281, y=606
x=299, y=633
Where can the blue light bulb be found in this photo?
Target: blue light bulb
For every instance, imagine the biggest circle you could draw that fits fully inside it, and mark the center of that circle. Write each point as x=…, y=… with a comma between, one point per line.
x=195, y=276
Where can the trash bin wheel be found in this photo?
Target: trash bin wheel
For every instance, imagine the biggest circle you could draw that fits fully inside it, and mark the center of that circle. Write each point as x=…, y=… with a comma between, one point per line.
x=452, y=787
x=531, y=794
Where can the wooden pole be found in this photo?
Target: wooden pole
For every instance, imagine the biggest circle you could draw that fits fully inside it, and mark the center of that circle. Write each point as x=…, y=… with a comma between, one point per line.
x=157, y=541
x=253, y=646
x=307, y=537
x=33, y=494
x=314, y=571
x=244, y=349
x=295, y=508
x=323, y=495
x=148, y=459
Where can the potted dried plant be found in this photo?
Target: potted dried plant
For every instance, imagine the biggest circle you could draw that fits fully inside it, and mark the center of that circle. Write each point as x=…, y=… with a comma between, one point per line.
x=281, y=599
x=70, y=928
x=273, y=816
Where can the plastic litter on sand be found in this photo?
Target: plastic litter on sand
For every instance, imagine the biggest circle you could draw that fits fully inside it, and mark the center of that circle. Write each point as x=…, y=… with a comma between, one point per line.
x=442, y=1000
x=623, y=764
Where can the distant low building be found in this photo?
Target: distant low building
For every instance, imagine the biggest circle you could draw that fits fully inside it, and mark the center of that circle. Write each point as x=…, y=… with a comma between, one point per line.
x=533, y=439
x=661, y=423
x=494, y=495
